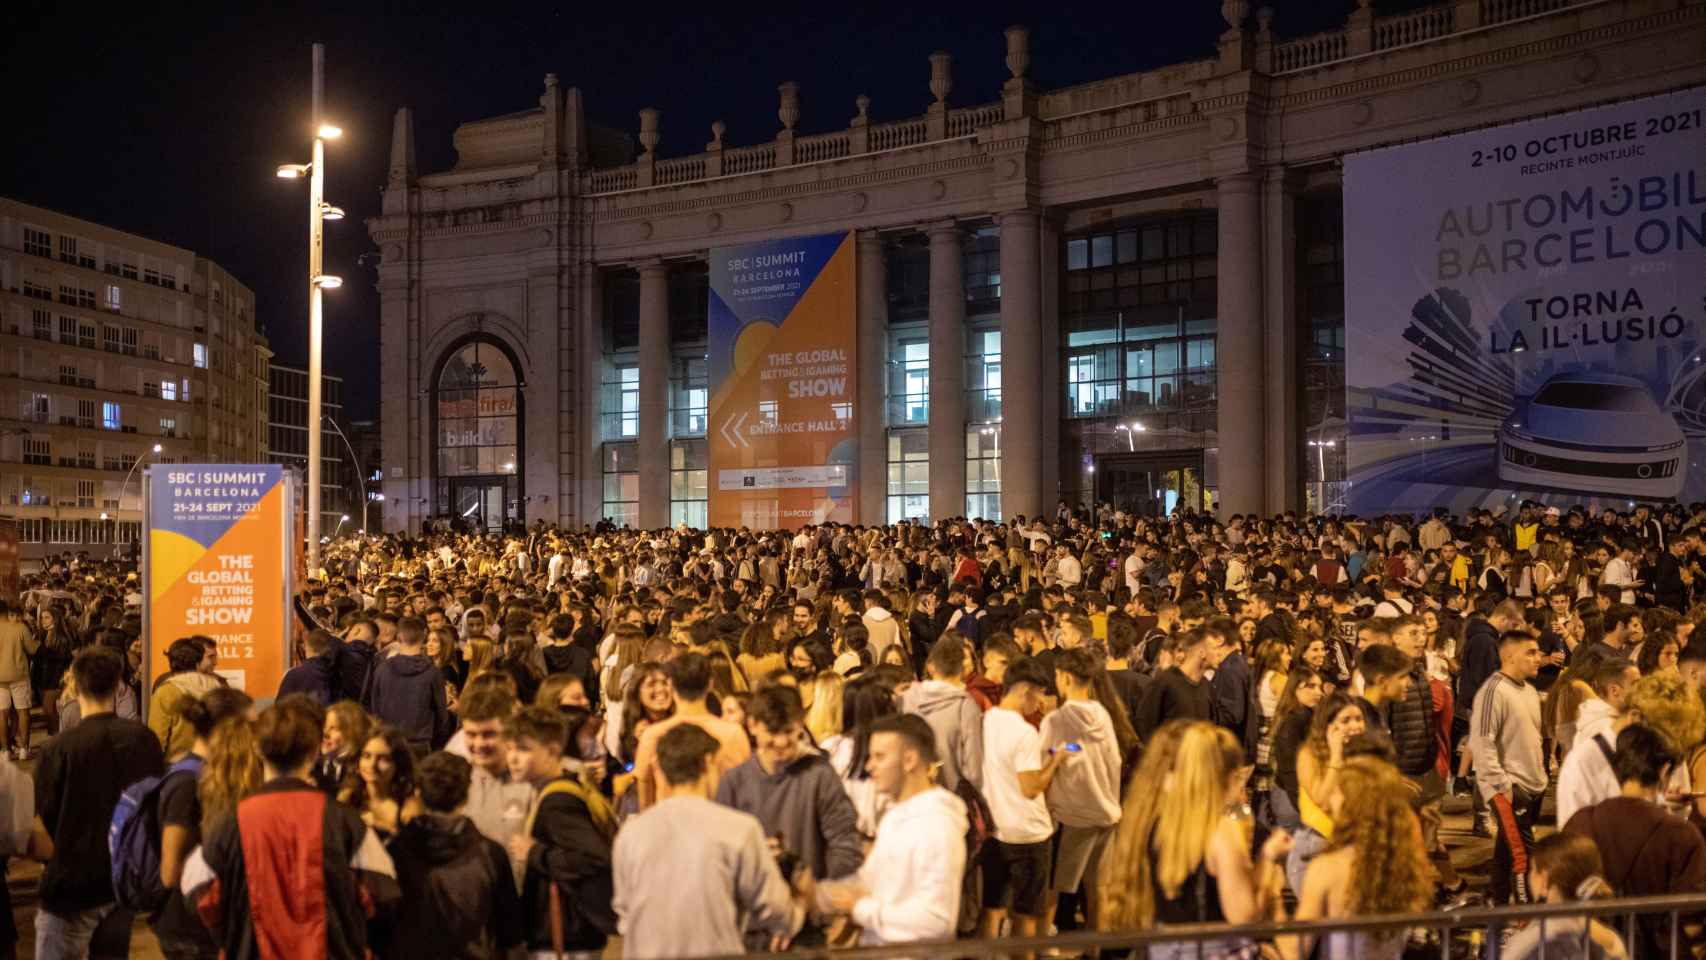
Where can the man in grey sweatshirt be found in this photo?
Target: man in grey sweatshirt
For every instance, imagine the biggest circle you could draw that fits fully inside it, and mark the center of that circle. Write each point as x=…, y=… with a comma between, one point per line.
x=687, y=871
x=952, y=714
x=1510, y=769
x=794, y=793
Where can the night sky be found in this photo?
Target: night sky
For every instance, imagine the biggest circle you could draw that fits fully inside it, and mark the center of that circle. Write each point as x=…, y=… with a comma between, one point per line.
x=169, y=122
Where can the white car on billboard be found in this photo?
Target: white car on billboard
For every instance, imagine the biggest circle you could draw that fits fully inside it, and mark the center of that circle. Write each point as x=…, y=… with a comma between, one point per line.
x=1596, y=433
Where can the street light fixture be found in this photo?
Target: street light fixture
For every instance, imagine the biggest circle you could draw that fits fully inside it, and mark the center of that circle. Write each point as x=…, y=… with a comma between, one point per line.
x=1131, y=432
x=355, y=461
x=122, y=487
x=318, y=280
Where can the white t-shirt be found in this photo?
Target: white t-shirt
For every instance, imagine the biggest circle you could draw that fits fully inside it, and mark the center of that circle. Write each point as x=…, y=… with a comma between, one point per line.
x=1010, y=747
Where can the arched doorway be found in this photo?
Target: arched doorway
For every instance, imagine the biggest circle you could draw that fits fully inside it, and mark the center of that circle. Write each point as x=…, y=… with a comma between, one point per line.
x=477, y=414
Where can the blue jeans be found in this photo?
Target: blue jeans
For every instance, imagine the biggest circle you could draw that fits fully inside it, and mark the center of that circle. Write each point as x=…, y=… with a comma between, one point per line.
x=1306, y=845
x=97, y=932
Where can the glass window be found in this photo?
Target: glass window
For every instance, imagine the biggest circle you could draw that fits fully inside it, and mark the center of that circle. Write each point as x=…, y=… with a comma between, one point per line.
x=983, y=374
x=909, y=378
x=689, y=496
x=689, y=396
x=621, y=401
x=201, y=355
x=908, y=475
x=981, y=263
x=983, y=472
x=477, y=401
x=112, y=418
x=622, y=484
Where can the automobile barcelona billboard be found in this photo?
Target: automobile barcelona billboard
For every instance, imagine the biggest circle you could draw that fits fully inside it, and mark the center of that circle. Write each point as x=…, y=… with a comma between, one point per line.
x=1525, y=313
x=783, y=366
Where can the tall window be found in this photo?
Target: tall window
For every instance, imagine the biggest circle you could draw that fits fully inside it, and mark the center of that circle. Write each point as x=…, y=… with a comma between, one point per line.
x=909, y=378
x=112, y=417
x=689, y=497
x=621, y=401
x=478, y=404
x=1321, y=349
x=983, y=374
x=909, y=475
x=689, y=396
x=622, y=484
x=983, y=472
x=982, y=265
x=1138, y=340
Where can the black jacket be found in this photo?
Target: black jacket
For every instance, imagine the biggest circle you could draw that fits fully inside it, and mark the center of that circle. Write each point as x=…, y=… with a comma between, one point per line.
x=1411, y=722
x=1668, y=588
x=316, y=676
x=408, y=693
x=1478, y=660
x=571, y=852
x=353, y=660
x=458, y=894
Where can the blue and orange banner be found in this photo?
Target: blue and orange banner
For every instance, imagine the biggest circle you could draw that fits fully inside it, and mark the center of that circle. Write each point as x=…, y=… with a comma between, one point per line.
x=783, y=358
x=217, y=563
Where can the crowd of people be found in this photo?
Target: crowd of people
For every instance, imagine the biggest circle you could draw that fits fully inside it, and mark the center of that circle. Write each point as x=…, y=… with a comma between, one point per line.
x=704, y=742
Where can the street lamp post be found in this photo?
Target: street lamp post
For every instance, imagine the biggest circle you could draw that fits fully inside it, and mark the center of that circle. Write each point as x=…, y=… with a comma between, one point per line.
x=360, y=474
x=126, y=484
x=318, y=212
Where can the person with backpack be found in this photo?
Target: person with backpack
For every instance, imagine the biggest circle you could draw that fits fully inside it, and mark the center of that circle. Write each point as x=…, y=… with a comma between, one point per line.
x=563, y=850
x=458, y=894
x=291, y=872
x=82, y=774
x=151, y=846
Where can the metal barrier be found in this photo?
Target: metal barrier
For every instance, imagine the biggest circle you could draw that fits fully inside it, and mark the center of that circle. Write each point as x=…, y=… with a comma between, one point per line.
x=1488, y=919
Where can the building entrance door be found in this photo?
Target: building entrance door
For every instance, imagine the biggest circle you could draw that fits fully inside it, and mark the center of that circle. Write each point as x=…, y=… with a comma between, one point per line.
x=480, y=502
x=1152, y=484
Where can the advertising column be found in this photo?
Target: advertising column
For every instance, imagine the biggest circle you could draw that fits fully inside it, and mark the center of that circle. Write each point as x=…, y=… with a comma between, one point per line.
x=783, y=360
x=1525, y=312
x=218, y=563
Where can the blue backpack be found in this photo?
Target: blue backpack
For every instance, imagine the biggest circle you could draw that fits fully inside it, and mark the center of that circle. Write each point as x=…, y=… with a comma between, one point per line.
x=133, y=840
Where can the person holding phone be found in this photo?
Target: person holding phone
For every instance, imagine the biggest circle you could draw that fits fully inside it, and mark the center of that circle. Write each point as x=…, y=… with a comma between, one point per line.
x=1084, y=796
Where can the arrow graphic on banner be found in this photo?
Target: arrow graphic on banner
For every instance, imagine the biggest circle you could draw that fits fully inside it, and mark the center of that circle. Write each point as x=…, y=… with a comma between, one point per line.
x=735, y=437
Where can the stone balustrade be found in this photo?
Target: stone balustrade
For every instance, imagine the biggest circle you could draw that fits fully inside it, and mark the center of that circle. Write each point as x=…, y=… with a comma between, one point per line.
x=1115, y=103
x=1417, y=27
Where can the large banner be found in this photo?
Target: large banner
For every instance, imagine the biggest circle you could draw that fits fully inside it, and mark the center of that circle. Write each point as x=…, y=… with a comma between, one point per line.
x=1524, y=313
x=784, y=421
x=217, y=562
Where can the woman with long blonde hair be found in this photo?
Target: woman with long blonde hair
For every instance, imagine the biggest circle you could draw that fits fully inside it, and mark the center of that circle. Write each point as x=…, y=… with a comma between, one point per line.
x=1200, y=870
x=823, y=720
x=1127, y=901
x=232, y=771
x=1376, y=866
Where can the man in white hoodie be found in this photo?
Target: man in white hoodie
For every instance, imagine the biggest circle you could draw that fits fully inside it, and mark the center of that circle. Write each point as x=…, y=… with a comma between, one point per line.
x=909, y=886
x=1587, y=776
x=884, y=630
x=1084, y=798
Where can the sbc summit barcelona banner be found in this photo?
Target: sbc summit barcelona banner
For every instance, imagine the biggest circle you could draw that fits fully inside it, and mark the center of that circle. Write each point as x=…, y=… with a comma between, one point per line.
x=217, y=563
x=784, y=421
x=1525, y=311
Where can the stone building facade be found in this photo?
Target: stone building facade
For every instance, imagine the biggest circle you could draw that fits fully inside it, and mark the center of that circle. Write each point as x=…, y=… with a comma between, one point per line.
x=116, y=352
x=1130, y=289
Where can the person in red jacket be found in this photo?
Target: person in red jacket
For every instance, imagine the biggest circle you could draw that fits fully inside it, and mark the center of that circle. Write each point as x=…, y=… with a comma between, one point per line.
x=290, y=873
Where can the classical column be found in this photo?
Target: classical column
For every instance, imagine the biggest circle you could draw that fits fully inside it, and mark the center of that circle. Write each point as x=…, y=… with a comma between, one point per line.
x=1021, y=353
x=872, y=361
x=589, y=373
x=947, y=372
x=1239, y=351
x=654, y=395
x=1279, y=296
